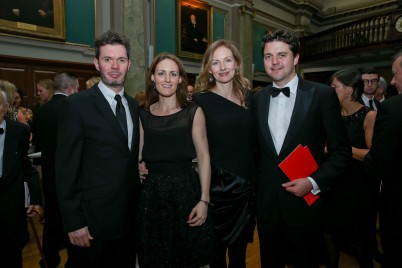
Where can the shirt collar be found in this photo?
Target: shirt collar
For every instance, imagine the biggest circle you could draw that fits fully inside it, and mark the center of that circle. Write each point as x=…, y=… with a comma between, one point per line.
x=107, y=92
x=365, y=98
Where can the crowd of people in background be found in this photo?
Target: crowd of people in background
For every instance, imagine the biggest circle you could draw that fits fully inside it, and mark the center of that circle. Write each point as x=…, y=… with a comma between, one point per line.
x=182, y=174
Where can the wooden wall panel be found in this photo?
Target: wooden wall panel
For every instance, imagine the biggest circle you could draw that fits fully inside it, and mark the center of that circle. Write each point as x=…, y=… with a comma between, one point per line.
x=26, y=72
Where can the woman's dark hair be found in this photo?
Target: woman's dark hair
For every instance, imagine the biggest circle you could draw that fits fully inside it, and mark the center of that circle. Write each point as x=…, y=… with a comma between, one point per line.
x=351, y=78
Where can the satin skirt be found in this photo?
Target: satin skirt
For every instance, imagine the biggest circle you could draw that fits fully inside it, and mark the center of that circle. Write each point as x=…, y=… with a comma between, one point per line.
x=232, y=205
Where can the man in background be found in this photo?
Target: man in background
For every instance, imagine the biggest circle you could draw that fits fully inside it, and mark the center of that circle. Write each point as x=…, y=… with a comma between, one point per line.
x=381, y=90
x=385, y=158
x=15, y=169
x=45, y=129
x=370, y=79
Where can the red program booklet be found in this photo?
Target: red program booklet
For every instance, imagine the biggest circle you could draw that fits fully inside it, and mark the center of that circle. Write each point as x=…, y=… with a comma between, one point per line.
x=300, y=164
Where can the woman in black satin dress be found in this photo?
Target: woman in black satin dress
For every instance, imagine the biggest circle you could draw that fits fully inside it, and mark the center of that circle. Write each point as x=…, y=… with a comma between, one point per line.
x=223, y=93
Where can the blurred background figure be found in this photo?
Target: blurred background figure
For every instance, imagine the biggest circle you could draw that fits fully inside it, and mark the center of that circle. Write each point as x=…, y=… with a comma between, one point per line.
x=140, y=98
x=44, y=90
x=190, y=90
x=381, y=90
x=45, y=129
x=92, y=81
x=12, y=114
x=15, y=169
x=351, y=212
x=18, y=100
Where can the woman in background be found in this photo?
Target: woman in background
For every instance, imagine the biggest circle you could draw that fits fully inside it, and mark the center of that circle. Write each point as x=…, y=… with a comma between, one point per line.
x=92, y=81
x=13, y=114
x=223, y=94
x=351, y=210
x=17, y=105
x=44, y=90
x=173, y=228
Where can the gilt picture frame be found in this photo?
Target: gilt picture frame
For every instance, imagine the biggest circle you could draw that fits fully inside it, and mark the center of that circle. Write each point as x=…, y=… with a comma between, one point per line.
x=44, y=19
x=194, y=32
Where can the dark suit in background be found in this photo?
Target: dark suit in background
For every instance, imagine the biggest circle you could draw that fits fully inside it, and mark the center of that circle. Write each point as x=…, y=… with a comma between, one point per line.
x=17, y=168
x=45, y=132
x=385, y=157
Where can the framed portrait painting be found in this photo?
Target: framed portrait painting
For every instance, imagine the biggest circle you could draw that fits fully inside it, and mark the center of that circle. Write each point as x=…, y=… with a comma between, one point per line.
x=34, y=18
x=194, y=28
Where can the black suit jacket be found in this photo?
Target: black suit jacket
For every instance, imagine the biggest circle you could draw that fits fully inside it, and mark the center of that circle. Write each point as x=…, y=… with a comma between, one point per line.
x=96, y=173
x=45, y=128
x=315, y=122
x=17, y=168
x=385, y=158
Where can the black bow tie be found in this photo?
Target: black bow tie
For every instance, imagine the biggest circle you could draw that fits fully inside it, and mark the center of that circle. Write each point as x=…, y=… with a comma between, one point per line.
x=1, y=130
x=275, y=91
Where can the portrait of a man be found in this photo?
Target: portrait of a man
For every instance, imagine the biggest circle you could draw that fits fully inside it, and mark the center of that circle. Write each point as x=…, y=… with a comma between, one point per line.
x=37, y=12
x=194, y=32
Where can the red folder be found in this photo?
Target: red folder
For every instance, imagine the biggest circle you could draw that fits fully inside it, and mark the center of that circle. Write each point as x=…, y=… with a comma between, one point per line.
x=300, y=164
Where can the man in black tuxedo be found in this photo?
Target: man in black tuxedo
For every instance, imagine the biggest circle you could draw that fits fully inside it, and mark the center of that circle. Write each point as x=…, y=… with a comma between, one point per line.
x=15, y=169
x=290, y=112
x=45, y=125
x=96, y=162
x=385, y=158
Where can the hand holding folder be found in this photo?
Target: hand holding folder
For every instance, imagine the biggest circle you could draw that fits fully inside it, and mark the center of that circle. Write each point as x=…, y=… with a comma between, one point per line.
x=300, y=164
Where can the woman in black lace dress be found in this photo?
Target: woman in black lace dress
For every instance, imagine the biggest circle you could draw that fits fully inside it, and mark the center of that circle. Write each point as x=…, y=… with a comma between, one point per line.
x=173, y=228
x=223, y=94
x=351, y=212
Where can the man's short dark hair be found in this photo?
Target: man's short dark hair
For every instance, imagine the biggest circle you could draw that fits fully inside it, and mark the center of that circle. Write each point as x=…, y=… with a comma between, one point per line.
x=286, y=36
x=370, y=71
x=112, y=38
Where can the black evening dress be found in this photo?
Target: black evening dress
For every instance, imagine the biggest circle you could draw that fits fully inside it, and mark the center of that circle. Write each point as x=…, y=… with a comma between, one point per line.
x=231, y=142
x=169, y=193
x=352, y=202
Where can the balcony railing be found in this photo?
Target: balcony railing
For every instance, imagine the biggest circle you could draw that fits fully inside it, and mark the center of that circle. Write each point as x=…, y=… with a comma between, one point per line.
x=358, y=35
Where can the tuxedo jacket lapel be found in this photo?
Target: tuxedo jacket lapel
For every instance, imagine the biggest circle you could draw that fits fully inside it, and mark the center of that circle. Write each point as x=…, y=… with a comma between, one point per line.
x=264, y=109
x=10, y=149
x=303, y=102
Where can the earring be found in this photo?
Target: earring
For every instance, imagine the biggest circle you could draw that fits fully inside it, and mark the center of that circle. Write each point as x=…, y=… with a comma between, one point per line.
x=211, y=78
x=237, y=71
x=153, y=85
x=178, y=88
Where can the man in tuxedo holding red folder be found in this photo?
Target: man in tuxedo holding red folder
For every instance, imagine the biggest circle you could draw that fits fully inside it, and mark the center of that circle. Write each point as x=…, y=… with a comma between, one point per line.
x=288, y=113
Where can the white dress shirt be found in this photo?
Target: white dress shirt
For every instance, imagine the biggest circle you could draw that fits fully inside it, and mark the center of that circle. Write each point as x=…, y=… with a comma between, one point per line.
x=279, y=115
x=367, y=103
x=109, y=95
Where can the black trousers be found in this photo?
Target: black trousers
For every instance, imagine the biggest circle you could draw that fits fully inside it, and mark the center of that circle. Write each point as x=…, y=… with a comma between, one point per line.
x=282, y=245
x=54, y=238
x=106, y=254
x=10, y=254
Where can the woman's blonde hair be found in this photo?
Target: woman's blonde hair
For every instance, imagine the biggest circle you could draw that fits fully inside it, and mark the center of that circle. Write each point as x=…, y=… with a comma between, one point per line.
x=92, y=81
x=9, y=89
